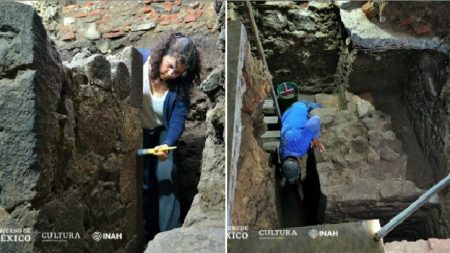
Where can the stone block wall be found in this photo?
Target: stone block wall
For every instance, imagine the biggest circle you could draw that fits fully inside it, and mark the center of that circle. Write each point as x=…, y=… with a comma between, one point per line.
x=109, y=26
x=106, y=27
x=419, y=18
x=254, y=198
x=68, y=139
x=363, y=171
x=426, y=105
x=402, y=51
x=301, y=42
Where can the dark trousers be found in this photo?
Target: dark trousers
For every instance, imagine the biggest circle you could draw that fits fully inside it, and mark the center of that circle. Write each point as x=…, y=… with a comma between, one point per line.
x=160, y=188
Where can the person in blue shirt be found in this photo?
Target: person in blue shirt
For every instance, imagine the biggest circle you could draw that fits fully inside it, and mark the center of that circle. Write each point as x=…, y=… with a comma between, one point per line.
x=299, y=132
x=171, y=68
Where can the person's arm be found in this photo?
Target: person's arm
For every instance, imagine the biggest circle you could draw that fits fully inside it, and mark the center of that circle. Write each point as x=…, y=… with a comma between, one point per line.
x=177, y=121
x=313, y=125
x=176, y=127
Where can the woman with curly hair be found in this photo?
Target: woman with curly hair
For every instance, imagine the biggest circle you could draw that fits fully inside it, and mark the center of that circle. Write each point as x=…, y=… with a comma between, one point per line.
x=169, y=73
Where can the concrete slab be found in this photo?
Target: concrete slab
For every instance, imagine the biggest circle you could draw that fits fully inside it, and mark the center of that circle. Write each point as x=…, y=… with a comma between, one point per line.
x=344, y=237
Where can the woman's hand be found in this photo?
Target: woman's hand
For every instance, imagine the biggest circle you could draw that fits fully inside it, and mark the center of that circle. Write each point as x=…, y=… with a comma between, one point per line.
x=161, y=154
x=317, y=144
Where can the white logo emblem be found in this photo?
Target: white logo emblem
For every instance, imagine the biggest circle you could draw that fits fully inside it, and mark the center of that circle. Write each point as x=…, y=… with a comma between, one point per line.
x=313, y=233
x=97, y=236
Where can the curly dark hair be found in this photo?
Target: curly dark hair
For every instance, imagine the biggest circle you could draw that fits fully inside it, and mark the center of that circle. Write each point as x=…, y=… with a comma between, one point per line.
x=184, y=49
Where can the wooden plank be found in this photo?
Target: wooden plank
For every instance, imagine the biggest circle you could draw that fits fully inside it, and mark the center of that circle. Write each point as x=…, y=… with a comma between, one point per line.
x=271, y=120
x=268, y=107
x=271, y=146
x=271, y=134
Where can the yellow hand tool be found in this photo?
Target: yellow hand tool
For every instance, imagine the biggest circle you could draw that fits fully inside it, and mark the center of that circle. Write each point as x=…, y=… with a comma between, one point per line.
x=151, y=151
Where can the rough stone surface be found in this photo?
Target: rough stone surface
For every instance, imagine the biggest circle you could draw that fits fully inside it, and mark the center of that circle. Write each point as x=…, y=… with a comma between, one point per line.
x=120, y=24
x=413, y=90
x=133, y=61
x=431, y=245
x=255, y=202
x=193, y=239
x=301, y=43
x=30, y=88
x=413, y=94
x=362, y=174
x=367, y=34
x=68, y=139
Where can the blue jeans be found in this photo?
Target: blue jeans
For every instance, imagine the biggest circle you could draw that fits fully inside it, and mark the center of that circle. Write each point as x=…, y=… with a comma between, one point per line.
x=160, y=188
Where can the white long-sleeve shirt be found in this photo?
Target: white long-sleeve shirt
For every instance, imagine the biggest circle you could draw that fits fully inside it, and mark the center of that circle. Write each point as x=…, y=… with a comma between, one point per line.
x=152, y=109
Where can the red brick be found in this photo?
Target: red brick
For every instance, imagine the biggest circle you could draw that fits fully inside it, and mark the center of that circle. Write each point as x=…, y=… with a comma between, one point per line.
x=165, y=22
x=420, y=29
x=88, y=4
x=113, y=35
x=173, y=17
x=80, y=15
x=163, y=18
x=94, y=12
x=190, y=11
x=407, y=21
x=69, y=36
x=198, y=13
x=190, y=18
x=178, y=2
x=147, y=10
x=154, y=14
x=104, y=20
x=168, y=4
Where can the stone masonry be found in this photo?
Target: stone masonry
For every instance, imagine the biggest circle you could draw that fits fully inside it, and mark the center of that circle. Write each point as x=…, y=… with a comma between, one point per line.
x=366, y=161
x=108, y=26
x=255, y=201
x=301, y=42
x=68, y=137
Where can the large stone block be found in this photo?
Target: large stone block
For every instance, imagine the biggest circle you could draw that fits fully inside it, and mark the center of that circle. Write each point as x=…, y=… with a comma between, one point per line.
x=18, y=37
x=134, y=62
x=97, y=129
x=18, y=139
x=120, y=79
